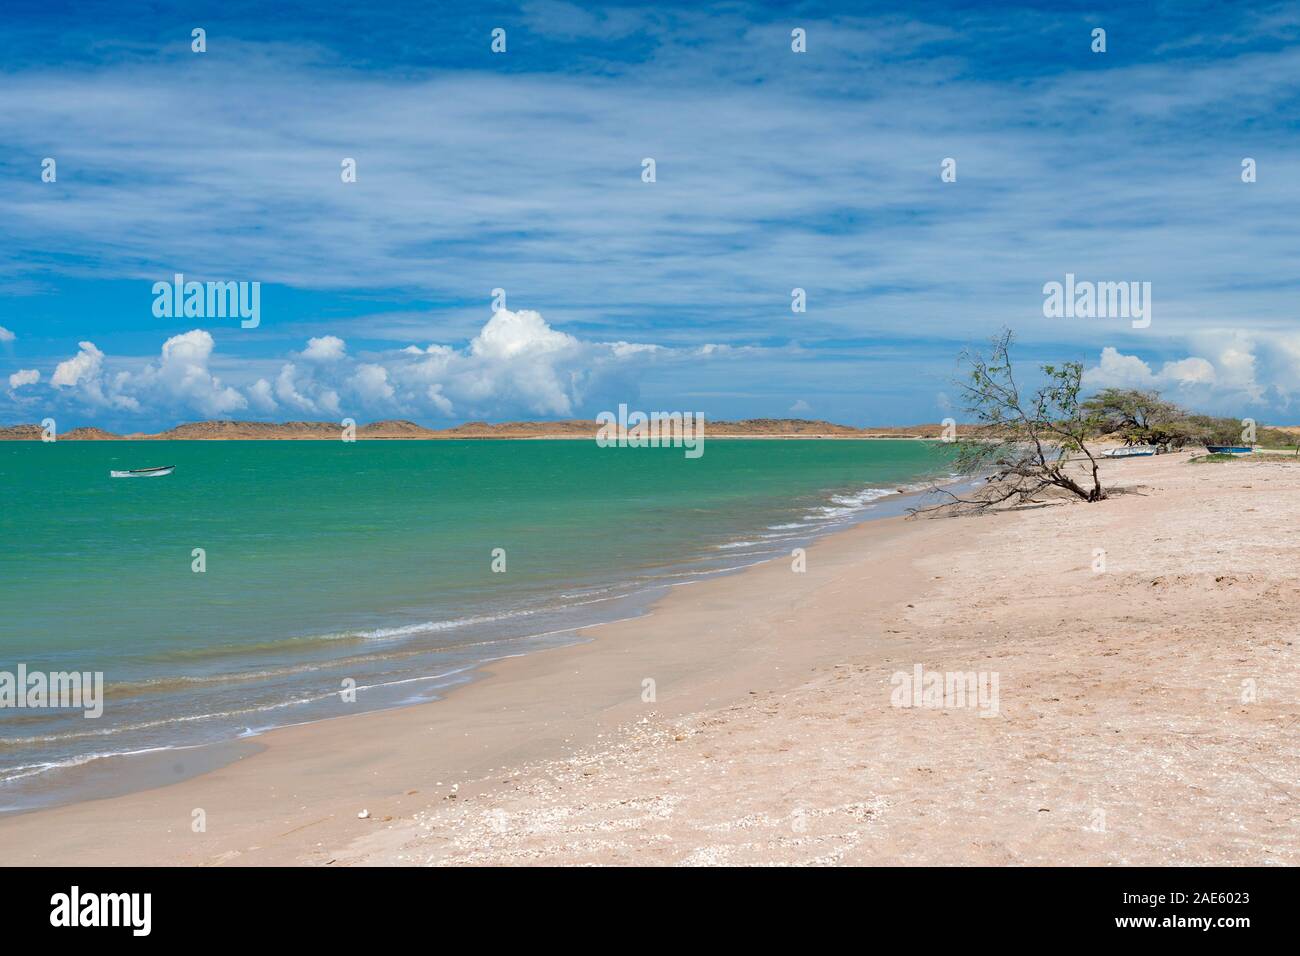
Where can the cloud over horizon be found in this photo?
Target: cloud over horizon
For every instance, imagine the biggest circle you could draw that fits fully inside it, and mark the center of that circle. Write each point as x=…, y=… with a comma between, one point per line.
x=1232, y=371
x=517, y=365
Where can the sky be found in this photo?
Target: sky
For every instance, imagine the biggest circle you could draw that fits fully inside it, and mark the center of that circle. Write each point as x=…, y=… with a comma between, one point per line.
x=523, y=171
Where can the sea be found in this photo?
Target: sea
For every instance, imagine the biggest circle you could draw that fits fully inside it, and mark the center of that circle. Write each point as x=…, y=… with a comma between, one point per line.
x=268, y=583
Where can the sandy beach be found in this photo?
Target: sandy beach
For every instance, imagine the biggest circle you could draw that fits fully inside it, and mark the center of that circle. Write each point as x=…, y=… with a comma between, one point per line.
x=1146, y=714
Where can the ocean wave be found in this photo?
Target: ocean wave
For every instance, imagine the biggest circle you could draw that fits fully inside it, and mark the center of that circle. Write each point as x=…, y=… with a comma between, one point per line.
x=192, y=718
x=375, y=635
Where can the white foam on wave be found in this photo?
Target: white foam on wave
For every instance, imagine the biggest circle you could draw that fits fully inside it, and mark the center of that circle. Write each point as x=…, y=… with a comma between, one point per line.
x=844, y=505
x=406, y=630
x=190, y=718
x=381, y=633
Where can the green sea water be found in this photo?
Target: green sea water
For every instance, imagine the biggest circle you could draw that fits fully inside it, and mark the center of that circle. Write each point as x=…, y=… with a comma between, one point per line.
x=371, y=562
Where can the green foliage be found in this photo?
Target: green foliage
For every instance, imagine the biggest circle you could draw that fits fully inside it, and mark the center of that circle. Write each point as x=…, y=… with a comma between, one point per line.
x=1141, y=417
x=1025, y=443
x=1131, y=410
x=1276, y=438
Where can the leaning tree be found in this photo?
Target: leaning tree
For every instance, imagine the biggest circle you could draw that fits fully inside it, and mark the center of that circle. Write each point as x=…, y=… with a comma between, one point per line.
x=1024, y=444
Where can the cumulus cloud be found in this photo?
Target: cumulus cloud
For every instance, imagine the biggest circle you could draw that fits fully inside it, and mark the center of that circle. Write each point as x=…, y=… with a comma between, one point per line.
x=439, y=401
x=178, y=380
x=85, y=366
x=371, y=384
x=183, y=374
x=24, y=376
x=517, y=356
x=1229, y=372
x=508, y=334
x=327, y=348
x=82, y=378
x=303, y=393
x=261, y=396
x=6, y=335
x=516, y=365
x=1190, y=371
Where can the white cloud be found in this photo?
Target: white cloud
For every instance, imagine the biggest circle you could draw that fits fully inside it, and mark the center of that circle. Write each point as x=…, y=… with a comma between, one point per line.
x=261, y=396
x=518, y=357
x=24, y=376
x=439, y=401
x=82, y=377
x=517, y=365
x=178, y=380
x=626, y=349
x=1119, y=371
x=327, y=348
x=182, y=375
x=85, y=366
x=301, y=392
x=6, y=335
x=371, y=384
x=800, y=408
x=508, y=334
x=1234, y=369
x=1190, y=371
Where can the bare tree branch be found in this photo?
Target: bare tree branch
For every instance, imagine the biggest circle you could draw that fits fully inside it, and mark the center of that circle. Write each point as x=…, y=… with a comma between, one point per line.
x=1024, y=446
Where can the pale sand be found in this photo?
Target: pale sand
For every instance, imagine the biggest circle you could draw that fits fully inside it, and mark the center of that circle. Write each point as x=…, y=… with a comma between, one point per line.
x=1122, y=736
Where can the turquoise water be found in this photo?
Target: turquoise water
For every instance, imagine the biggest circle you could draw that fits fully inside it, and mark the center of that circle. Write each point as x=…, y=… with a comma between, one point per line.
x=369, y=561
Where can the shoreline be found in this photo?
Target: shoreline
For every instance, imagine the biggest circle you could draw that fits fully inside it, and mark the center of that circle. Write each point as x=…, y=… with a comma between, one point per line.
x=307, y=749
x=1122, y=735
x=90, y=778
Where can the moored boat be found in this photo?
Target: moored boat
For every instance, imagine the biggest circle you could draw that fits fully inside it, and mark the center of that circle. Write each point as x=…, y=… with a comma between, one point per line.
x=159, y=472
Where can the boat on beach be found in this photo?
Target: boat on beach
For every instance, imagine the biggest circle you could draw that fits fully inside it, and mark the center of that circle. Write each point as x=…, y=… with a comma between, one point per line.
x=159, y=472
x=1130, y=451
x=1229, y=449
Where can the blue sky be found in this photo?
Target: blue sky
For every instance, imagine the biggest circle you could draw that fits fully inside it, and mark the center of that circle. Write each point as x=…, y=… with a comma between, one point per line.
x=522, y=171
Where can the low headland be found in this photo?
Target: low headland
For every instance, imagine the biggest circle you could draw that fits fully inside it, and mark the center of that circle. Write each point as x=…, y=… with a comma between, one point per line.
x=218, y=430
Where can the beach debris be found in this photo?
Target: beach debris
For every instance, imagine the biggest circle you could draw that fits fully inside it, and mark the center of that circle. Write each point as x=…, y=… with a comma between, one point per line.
x=363, y=815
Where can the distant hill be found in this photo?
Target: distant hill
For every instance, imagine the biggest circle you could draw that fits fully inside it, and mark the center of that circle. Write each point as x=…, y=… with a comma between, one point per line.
x=218, y=430
x=88, y=433
x=225, y=430
x=20, y=433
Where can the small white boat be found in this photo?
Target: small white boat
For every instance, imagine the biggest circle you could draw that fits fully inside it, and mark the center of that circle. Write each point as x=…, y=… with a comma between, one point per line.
x=159, y=472
x=1130, y=451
